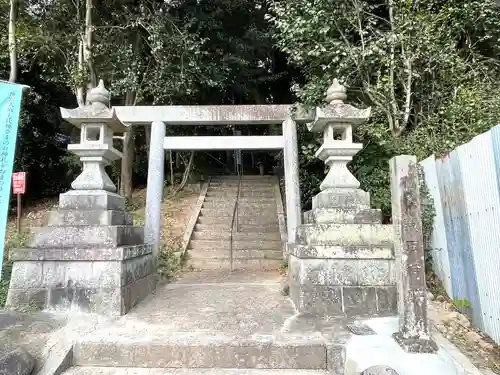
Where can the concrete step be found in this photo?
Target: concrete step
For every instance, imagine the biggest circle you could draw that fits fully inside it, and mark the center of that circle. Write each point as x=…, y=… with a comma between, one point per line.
x=185, y=371
x=225, y=235
x=242, y=220
x=208, y=245
x=242, y=211
x=237, y=254
x=238, y=264
x=246, y=228
x=178, y=350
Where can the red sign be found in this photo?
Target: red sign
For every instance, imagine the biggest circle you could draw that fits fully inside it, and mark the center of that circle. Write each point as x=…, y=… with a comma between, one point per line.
x=19, y=182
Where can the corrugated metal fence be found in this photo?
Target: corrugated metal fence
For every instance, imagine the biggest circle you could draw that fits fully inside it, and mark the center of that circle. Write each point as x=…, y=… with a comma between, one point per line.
x=465, y=185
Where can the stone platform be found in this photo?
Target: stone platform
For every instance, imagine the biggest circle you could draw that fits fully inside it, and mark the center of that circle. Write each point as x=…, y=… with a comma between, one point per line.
x=216, y=320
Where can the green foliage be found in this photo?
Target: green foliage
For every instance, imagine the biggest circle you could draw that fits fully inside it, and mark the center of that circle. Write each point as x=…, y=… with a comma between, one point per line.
x=462, y=304
x=428, y=212
x=5, y=281
x=428, y=69
x=170, y=260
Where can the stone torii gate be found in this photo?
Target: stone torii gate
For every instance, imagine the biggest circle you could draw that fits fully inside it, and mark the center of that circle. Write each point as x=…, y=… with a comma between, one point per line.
x=91, y=257
x=159, y=117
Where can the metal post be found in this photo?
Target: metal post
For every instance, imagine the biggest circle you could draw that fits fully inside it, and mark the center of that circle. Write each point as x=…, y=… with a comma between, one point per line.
x=156, y=165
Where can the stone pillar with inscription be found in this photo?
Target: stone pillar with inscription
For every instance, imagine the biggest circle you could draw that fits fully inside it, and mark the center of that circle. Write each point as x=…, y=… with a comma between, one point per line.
x=413, y=334
x=342, y=261
x=90, y=257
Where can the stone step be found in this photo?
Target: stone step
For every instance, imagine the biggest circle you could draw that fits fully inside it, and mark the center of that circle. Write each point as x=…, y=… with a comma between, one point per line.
x=253, y=212
x=241, y=264
x=225, y=235
x=345, y=234
x=242, y=186
x=87, y=236
x=249, y=201
x=200, y=350
x=242, y=220
x=238, y=244
x=244, y=205
x=185, y=371
x=252, y=178
x=237, y=254
x=243, y=194
x=89, y=217
x=246, y=228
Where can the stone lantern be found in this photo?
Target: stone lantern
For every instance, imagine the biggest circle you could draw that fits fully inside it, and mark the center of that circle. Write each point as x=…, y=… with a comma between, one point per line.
x=336, y=121
x=342, y=260
x=90, y=257
x=98, y=123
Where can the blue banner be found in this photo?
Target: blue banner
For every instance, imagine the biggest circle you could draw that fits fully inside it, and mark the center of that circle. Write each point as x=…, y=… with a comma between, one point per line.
x=10, y=107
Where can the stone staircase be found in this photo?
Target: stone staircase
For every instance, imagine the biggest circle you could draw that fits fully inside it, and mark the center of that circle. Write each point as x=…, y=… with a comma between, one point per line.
x=256, y=235
x=212, y=322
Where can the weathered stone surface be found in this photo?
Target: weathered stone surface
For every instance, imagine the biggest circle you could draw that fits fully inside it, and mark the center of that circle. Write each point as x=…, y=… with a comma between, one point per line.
x=91, y=200
x=350, y=300
x=76, y=254
x=345, y=234
x=414, y=333
x=361, y=272
x=342, y=198
x=87, y=236
x=343, y=216
x=89, y=217
x=342, y=252
x=213, y=114
x=379, y=370
x=16, y=362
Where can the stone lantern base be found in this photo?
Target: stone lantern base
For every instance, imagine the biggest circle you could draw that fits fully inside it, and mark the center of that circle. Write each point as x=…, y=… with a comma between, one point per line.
x=343, y=259
x=90, y=258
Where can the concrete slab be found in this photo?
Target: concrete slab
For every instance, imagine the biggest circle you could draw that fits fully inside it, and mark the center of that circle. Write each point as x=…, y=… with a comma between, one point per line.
x=380, y=348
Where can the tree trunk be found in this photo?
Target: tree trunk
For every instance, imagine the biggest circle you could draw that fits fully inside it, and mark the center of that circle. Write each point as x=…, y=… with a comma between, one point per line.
x=128, y=154
x=88, y=45
x=171, y=168
x=129, y=137
x=14, y=5
x=185, y=176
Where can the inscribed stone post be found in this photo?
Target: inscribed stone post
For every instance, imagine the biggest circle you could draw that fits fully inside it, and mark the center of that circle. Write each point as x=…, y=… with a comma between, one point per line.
x=413, y=334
